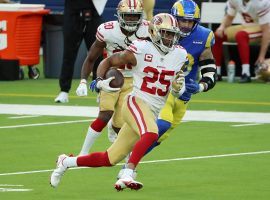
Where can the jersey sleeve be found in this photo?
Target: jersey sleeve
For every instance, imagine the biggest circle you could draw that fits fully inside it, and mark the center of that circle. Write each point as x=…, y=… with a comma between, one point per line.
x=231, y=8
x=100, y=33
x=264, y=12
x=210, y=41
x=104, y=31
x=136, y=47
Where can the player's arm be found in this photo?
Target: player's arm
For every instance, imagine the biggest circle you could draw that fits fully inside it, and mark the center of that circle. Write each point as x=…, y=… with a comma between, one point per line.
x=95, y=51
x=264, y=42
x=208, y=70
x=116, y=60
x=230, y=13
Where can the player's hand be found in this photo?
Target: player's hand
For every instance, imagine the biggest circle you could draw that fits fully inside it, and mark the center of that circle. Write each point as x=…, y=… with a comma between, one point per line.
x=105, y=85
x=260, y=61
x=185, y=96
x=82, y=88
x=92, y=86
x=178, y=83
x=192, y=87
x=220, y=32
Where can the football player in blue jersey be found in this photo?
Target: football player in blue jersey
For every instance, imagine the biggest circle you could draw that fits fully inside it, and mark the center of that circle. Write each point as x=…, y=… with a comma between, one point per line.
x=197, y=40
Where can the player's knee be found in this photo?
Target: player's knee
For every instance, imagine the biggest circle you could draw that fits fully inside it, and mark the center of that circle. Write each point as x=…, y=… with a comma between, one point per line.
x=163, y=126
x=114, y=159
x=219, y=40
x=241, y=35
x=105, y=115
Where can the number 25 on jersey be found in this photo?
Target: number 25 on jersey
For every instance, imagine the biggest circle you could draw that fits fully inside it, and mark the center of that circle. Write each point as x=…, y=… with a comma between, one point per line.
x=157, y=77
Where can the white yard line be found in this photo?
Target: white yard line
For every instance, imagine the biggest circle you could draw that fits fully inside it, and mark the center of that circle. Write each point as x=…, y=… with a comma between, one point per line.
x=8, y=185
x=46, y=124
x=24, y=116
x=57, y=110
x=14, y=190
x=87, y=111
x=240, y=125
x=6, y=188
x=154, y=161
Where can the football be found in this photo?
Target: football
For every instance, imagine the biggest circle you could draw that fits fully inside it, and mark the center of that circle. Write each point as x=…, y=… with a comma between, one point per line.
x=118, y=82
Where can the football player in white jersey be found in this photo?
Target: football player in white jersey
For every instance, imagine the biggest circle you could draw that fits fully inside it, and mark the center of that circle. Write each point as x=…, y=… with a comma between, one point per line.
x=156, y=66
x=114, y=36
x=255, y=29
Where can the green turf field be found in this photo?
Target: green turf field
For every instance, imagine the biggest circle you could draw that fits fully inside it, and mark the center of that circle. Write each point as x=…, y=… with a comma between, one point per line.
x=202, y=160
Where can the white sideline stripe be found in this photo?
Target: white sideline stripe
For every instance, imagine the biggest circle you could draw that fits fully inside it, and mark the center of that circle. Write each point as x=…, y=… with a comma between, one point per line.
x=14, y=190
x=152, y=161
x=46, y=124
x=87, y=111
x=76, y=111
x=4, y=185
x=240, y=125
x=24, y=116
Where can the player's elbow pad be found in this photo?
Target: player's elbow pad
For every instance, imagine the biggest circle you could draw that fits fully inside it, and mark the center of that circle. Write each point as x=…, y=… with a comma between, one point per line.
x=208, y=71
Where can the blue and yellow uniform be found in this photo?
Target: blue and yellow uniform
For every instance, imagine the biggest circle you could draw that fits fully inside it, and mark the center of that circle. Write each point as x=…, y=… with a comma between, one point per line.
x=195, y=40
x=175, y=109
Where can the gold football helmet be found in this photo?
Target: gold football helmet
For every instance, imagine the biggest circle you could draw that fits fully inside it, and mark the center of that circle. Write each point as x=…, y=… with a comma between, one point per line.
x=130, y=14
x=263, y=71
x=164, y=31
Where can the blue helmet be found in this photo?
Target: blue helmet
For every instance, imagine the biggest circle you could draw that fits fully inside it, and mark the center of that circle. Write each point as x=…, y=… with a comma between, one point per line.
x=186, y=10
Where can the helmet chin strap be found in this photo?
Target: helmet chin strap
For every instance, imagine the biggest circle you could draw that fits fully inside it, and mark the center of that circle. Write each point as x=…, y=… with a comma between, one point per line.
x=159, y=48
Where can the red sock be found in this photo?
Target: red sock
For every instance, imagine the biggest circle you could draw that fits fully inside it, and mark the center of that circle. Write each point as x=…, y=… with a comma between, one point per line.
x=242, y=40
x=97, y=159
x=142, y=146
x=218, y=49
x=98, y=125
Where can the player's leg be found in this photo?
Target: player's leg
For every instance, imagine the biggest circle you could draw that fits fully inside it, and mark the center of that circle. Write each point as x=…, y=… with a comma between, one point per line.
x=251, y=34
x=145, y=126
x=118, y=150
x=218, y=53
x=133, y=110
x=165, y=119
x=244, y=35
x=178, y=114
x=107, y=102
x=117, y=119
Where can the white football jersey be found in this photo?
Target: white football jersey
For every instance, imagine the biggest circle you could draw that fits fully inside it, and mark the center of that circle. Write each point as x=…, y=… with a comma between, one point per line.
x=154, y=72
x=116, y=41
x=257, y=11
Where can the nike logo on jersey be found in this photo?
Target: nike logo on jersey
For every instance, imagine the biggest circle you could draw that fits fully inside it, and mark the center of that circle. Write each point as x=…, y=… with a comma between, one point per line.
x=197, y=42
x=161, y=67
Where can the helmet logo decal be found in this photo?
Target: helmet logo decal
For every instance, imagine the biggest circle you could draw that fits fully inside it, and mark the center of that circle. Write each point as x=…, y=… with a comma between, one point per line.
x=157, y=20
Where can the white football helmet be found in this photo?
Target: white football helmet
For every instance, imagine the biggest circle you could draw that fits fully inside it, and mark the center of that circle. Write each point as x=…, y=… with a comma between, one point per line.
x=125, y=10
x=164, y=31
x=263, y=71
